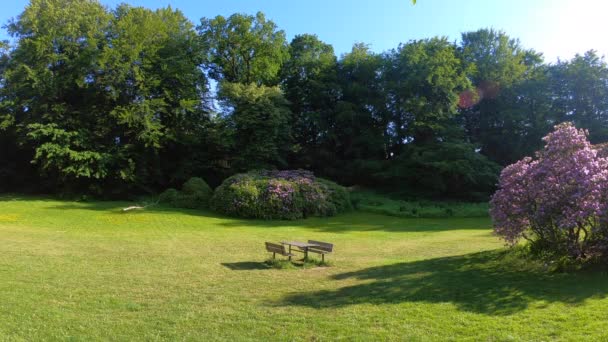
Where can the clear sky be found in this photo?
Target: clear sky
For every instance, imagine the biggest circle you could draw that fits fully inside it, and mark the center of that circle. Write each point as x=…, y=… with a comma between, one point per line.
x=557, y=28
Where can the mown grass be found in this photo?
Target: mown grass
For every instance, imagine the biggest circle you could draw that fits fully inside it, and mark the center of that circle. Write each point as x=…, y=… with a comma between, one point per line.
x=86, y=271
x=373, y=202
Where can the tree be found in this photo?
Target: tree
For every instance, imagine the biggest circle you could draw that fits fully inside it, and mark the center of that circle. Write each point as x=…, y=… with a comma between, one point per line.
x=447, y=169
x=580, y=93
x=156, y=90
x=310, y=81
x=47, y=79
x=355, y=137
x=259, y=120
x=498, y=67
x=244, y=48
x=424, y=82
x=98, y=95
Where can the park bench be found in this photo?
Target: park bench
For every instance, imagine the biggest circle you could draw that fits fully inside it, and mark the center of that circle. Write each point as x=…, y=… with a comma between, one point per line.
x=276, y=248
x=320, y=248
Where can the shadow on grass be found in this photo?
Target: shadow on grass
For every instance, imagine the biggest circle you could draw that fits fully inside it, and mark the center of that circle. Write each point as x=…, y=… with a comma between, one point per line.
x=344, y=223
x=116, y=207
x=275, y=264
x=362, y=221
x=246, y=265
x=487, y=282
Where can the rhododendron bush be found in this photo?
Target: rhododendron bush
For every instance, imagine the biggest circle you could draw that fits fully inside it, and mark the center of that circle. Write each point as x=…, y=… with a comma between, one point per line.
x=289, y=195
x=558, y=199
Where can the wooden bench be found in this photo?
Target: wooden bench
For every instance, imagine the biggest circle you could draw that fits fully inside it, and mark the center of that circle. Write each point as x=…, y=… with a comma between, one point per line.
x=321, y=248
x=276, y=248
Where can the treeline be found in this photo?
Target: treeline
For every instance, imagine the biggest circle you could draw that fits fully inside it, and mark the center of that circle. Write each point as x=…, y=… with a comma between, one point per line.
x=123, y=101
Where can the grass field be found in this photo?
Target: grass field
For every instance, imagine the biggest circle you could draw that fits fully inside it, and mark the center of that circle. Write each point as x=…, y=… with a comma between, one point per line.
x=86, y=271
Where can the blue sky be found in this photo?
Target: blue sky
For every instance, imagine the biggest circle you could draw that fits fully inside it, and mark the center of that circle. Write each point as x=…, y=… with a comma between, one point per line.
x=557, y=28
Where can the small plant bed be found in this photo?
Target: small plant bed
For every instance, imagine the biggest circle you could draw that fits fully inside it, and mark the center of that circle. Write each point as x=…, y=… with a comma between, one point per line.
x=282, y=195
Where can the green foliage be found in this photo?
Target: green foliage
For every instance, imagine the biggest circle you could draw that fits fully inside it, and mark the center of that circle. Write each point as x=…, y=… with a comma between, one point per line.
x=510, y=96
x=169, y=197
x=310, y=82
x=244, y=48
x=588, y=109
x=374, y=202
x=259, y=123
x=287, y=195
x=337, y=195
x=99, y=96
x=446, y=169
x=424, y=83
x=116, y=102
x=195, y=194
x=66, y=153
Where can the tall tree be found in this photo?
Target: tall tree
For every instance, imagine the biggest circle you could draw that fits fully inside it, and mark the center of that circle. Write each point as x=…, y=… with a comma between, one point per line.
x=424, y=83
x=580, y=93
x=94, y=93
x=310, y=82
x=155, y=87
x=47, y=81
x=244, y=48
x=259, y=122
x=353, y=139
x=497, y=66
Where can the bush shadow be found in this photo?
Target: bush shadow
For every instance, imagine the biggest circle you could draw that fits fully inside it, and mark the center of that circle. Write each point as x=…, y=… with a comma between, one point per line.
x=487, y=282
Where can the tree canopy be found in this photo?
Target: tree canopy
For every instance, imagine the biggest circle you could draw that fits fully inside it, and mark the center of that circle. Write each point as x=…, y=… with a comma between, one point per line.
x=130, y=100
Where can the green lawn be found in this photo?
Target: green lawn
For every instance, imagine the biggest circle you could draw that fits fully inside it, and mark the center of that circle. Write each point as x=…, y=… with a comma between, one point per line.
x=86, y=271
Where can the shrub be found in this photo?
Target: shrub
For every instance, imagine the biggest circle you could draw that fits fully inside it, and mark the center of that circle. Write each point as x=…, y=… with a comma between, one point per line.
x=195, y=194
x=385, y=204
x=169, y=197
x=289, y=195
x=197, y=186
x=558, y=201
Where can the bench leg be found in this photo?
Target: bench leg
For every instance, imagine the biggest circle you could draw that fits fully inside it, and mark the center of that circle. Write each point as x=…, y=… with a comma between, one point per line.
x=289, y=252
x=322, y=257
x=273, y=255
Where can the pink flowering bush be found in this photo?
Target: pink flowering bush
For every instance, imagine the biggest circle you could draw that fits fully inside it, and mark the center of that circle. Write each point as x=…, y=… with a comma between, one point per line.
x=558, y=199
x=289, y=195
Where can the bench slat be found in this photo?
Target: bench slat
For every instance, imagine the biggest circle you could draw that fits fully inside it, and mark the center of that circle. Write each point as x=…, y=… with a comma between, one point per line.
x=276, y=248
x=323, y=246
x=318, y=251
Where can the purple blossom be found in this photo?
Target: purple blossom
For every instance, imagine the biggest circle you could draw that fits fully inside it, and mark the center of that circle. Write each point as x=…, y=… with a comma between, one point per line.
x=559, y=197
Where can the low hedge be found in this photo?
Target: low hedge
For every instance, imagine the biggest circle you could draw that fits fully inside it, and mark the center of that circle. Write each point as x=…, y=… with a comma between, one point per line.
x=195, y=194
x=287, y=195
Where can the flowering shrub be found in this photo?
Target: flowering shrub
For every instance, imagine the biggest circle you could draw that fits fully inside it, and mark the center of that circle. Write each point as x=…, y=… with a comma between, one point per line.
x=195, y=194
x=557, y=200
x=290, y=195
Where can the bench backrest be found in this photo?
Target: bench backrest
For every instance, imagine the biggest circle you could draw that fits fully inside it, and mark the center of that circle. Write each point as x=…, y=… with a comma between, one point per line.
x=324, y=246
x=275, y=248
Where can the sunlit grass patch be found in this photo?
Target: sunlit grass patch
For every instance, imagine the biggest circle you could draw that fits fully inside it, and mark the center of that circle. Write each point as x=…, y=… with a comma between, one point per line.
x=85, y=271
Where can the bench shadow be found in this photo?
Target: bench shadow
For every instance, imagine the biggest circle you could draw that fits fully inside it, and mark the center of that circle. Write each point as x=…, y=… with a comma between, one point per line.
x=488, y=282
x=246, y=266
